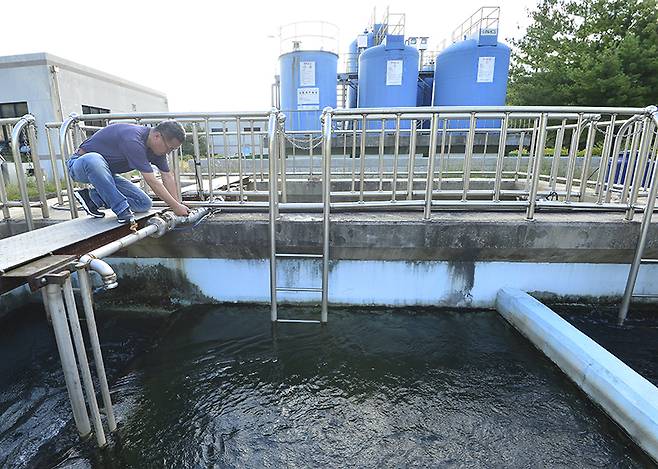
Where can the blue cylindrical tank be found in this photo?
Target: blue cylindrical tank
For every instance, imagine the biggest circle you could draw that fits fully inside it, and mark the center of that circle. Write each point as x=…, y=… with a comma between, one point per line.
x=354, y=52
x=388, y=75
x=308, y=85
x=472, y=72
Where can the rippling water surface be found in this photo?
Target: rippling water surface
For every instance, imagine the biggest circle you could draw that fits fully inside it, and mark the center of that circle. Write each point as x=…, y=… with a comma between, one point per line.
x=218, y=387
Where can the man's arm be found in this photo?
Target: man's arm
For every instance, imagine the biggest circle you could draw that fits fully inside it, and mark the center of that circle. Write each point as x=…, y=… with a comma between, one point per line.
x=165, y=191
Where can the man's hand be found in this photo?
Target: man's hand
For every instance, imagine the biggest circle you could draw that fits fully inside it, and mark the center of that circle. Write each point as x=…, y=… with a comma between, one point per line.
x=181, y=210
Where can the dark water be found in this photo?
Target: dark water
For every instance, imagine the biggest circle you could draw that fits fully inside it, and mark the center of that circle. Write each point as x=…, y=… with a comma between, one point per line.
x=217, y=388
x=635, y=343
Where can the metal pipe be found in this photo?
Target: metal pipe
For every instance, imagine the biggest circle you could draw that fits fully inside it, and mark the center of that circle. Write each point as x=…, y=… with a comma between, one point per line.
x=430, y=170
x=240, y=169
x=87, y=304
x=557, y=155
x=53, y=165
x=76, y=332
x=64, y=152
x=3, y=191
x=470, y=140
x=23, y=122
x=631, y=163
x=363, y=156
x=272, y=180
x=604, y=160
x=573, y=154
x=67, y=357
x=502, y=142
x=198, y=176
x=651, y=111
x=644, y=148
x=412, y=160
x=326, y=200
x=396, y=154
x=589, y=147
x=613, y=166
x=282, y=160
x=537, y=167
x=381, y=155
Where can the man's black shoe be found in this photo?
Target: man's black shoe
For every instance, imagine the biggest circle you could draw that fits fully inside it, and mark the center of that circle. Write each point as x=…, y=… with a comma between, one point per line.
x=88, y=205
x=126, y=217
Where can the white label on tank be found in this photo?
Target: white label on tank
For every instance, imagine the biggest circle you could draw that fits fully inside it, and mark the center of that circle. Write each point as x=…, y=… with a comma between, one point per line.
x=486, y=69
x=307, y=73
x=308, y=107
x=488, y=32
x=308, y=96
x=393, y=72
x=362, y=41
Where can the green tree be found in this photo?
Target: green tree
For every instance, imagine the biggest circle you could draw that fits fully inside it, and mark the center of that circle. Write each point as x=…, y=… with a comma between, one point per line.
x=588, y=53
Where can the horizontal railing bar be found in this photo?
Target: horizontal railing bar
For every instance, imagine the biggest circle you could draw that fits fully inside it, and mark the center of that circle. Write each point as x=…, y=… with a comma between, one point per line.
x=489, y=109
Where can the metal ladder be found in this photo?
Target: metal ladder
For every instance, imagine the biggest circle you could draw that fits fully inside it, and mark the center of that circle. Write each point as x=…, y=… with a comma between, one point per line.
x=274, y=155
x=652, y=112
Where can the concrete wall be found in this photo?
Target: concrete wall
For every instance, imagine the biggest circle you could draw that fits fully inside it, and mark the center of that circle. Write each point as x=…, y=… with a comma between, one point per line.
x=28, y=78
x=394, y=259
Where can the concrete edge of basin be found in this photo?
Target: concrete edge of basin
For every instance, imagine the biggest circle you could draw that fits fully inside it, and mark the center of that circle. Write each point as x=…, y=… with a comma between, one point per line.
x=628, y=398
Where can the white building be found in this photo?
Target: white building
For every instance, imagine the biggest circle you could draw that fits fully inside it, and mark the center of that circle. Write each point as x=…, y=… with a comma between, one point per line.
x=50, y=88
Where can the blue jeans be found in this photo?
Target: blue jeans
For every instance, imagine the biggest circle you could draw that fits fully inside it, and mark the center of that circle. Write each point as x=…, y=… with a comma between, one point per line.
x=110, y=190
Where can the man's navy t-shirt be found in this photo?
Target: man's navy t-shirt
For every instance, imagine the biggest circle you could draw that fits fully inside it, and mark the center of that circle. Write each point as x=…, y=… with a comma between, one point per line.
x=124, y=148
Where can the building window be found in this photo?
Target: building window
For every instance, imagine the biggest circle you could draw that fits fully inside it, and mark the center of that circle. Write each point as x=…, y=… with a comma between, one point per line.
x=95, y=110
x=7, y=111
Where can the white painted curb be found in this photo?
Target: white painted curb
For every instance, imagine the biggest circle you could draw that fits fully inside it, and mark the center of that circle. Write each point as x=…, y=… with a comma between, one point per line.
x=628, y=398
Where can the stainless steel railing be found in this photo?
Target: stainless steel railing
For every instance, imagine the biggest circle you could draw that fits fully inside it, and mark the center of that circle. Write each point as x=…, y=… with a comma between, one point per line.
x=23, y=131
x=433, y=158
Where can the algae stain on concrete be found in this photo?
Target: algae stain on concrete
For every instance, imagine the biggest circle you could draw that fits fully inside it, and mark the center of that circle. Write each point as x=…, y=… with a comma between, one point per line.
x=153, y=287
x=462, y=278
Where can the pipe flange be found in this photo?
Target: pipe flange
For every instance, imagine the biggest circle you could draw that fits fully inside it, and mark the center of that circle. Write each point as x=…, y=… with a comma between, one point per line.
x=160, y=224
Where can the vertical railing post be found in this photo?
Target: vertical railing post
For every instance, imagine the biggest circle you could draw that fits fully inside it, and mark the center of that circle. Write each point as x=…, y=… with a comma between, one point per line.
x=66, y=150
x=273, y=135
x=536, y=167
x=53, y=164
x=589, y=147
x=640, y=168
x=412, y=161
x=468, y=156
x=605, y=158
x=430, y=166
x=24, y=122
x=326, y=202
x=502, y=142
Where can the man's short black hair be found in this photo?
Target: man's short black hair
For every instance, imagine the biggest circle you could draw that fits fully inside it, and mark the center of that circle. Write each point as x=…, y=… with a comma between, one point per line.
x=171, y=130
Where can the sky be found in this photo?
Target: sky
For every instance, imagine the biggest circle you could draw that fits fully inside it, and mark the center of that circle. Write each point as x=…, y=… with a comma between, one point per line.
x=212, y=55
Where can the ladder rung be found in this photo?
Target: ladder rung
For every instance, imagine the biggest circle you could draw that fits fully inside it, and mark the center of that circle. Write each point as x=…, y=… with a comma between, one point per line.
x=648, y=261
x=299, y=289
x=300, y=255
x=303, y=321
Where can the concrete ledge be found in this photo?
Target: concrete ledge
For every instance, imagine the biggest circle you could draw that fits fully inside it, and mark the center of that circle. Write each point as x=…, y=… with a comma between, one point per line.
x=628, y=398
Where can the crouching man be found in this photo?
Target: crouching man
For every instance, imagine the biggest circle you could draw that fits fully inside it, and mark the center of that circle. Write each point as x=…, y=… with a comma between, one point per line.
x=120, y=148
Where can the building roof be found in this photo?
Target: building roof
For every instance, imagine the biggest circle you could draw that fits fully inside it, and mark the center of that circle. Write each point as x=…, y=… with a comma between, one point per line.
x=44, y=58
